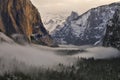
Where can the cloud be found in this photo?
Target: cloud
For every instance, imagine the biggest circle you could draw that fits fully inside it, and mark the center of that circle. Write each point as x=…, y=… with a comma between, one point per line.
x=30, y=55
x=22, y=58
x=57, y=6
x=42, y=56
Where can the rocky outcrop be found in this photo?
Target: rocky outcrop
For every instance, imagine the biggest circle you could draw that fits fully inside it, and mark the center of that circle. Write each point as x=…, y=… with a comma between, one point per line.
x=86, y=29
x=112, y=36
x=21, y=17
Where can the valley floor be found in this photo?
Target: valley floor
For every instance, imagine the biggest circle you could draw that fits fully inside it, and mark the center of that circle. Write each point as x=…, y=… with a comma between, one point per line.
x=83, y=69
x=62, y=63
x=62, y=47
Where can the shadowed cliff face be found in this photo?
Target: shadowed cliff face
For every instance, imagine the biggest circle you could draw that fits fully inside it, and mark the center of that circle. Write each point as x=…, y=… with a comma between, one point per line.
x=21, y=17
x=112, y=37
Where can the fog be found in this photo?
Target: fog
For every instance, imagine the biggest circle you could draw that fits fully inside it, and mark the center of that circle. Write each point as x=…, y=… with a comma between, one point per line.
x=99, y=53
x=36, y=56
x=30, y=55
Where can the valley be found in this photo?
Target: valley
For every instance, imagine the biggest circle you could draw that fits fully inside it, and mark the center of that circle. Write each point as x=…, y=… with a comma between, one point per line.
x=59, y=46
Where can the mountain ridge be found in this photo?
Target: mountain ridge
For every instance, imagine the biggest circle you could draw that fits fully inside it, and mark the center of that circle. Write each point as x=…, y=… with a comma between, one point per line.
x=87, y=28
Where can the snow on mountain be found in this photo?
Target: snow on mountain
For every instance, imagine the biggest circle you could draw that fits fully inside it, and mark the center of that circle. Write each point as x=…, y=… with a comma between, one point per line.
x=51, y=21
x=112, y=36
x=87, y=28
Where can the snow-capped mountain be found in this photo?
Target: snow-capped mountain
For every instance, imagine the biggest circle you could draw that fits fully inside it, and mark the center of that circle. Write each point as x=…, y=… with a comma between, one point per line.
x=87, y=28
x=51, y=21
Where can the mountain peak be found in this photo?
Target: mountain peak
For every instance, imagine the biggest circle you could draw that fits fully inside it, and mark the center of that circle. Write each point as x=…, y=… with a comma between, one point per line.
x=73, y=16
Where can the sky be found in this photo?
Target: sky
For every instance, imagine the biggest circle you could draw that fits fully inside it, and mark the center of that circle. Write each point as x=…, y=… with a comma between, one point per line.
x=66, y=6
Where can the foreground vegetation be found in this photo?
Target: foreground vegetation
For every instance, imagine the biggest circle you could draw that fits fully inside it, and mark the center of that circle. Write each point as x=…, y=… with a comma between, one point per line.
x=83, y=69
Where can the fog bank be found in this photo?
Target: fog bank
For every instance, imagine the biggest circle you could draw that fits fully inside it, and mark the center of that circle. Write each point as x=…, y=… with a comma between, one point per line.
x=36, y=56
x=30, y=55
x=99, y=53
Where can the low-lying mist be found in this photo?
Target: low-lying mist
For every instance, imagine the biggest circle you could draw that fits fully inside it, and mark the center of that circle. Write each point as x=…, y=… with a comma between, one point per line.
x=30, y=55
x=99, y=53
x=11, y=54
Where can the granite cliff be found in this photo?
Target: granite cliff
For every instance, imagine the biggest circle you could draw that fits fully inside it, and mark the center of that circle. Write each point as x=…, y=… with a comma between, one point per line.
x=20, y=17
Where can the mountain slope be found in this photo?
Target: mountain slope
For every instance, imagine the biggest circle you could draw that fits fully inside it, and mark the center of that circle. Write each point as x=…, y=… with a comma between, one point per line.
x=112, y=36
x=21, y=17
x=87, y=28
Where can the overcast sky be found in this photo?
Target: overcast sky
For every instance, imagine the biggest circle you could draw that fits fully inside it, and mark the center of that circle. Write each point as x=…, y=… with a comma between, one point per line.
x=57, y=6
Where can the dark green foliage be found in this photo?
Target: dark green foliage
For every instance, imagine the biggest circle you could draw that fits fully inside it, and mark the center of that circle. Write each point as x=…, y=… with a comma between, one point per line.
x=15, y=76
x=83, y=69
x=88, y=70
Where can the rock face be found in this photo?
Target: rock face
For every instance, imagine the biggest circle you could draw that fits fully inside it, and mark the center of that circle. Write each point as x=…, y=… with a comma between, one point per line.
x=112, y=37
x=21, y=17
x=86, y=29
